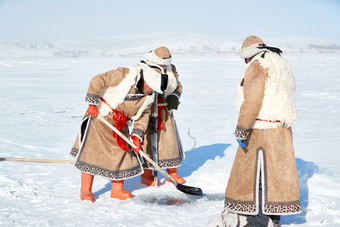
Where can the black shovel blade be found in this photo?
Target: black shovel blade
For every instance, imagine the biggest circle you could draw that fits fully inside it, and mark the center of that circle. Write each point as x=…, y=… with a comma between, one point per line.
x=189, y=190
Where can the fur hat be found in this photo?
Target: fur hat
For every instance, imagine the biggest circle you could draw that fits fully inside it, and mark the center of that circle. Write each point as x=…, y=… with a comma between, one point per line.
x=250, y=47
x=154, y=77
x=159, y=56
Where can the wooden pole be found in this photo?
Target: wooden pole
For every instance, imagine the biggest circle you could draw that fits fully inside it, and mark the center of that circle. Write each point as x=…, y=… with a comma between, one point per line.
x=57, y=161
x=37, y=160
x=140, y=151
x=164, y=104
x=181, y=187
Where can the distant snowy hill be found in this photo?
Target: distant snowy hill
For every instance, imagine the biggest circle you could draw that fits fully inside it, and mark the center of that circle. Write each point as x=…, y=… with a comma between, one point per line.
x=131, y=45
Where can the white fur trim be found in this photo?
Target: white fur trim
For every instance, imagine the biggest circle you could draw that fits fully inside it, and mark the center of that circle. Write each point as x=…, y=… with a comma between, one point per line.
x=260, y=170
x=278, y=101
x=250, y=51
x=81, y=144
x=149, y=100
x=151, y=57
x=151, y=77
x=172, y=82
x=116, y=95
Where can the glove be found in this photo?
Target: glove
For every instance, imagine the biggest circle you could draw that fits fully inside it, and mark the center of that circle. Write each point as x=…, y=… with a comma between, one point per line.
x=93, y=110
x=241, y=135
x=241, y=143
x=136, y=141
x=172, y=101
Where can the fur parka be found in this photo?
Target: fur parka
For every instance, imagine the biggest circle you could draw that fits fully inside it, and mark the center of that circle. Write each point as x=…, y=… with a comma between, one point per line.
x=96, y=149
x=170, y=151
x=265, y=99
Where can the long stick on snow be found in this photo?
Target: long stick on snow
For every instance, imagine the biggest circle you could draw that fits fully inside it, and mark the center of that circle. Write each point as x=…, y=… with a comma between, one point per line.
x=181, y=187
x=36, y=160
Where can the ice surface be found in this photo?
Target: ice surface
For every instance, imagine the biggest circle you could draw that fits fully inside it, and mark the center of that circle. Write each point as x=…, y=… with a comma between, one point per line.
x=43, y=86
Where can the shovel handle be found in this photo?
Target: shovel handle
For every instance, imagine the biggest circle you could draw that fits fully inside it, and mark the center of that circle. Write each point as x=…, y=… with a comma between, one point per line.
x=140, y=151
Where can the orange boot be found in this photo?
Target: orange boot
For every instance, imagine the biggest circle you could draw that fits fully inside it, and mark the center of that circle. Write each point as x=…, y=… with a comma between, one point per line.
x=86, y=186
x=173, y=173
x=147, y=178
x=118, y=192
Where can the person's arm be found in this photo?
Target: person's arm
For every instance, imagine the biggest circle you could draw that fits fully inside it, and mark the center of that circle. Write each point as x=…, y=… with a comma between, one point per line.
x=104, y=80
x=173, y=98
x=97, y=83
x=254, y=85
x=139, y=128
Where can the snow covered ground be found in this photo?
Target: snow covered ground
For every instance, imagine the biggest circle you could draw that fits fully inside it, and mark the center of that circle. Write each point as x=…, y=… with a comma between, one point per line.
x=43, y=86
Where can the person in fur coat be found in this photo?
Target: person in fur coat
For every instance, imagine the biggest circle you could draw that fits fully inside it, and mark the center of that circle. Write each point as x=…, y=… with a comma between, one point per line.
x=263, y=182
x=120, y=96
x=170, y=152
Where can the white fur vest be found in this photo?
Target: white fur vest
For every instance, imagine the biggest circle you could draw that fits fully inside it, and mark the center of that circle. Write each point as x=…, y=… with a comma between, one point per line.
x=278, y=103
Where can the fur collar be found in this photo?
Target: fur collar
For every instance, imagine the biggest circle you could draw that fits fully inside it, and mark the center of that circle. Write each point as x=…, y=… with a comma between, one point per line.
x=116, y=95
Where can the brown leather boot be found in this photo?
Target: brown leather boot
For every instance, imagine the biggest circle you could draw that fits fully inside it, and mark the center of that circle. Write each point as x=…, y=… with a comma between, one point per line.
x=173, y=173
x=147, y=178
x=118, y=192
x=86, y=187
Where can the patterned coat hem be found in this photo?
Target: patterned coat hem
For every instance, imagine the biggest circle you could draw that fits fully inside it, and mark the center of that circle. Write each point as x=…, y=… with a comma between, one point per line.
x=249, y=208
x=113, y=175
x=170, y=163
x=268, y=208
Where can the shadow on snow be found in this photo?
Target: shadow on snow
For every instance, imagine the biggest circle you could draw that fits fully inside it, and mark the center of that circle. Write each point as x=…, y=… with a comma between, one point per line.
x=197, y=157
x=305, y=171
x=194, y=159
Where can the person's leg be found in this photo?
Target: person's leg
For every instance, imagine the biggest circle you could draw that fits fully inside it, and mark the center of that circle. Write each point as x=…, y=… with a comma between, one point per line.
x=173, y=173
x=118, y=192
x=147, y=178
x=86, y=187
x=275, y=219
x=259, y=220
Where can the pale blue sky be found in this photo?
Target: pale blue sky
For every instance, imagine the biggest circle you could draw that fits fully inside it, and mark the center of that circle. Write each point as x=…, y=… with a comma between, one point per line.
x=70, y=19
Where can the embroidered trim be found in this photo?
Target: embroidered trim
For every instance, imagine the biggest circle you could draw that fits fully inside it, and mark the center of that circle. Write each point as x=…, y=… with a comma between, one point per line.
x=92, y=99
x=169, y=163
x=241, y=133
x=138, y=132
x=131, y=97
x=176, y=93
x=240, y=206
x=74, y=151
x=114, y=175
x=283, y=208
